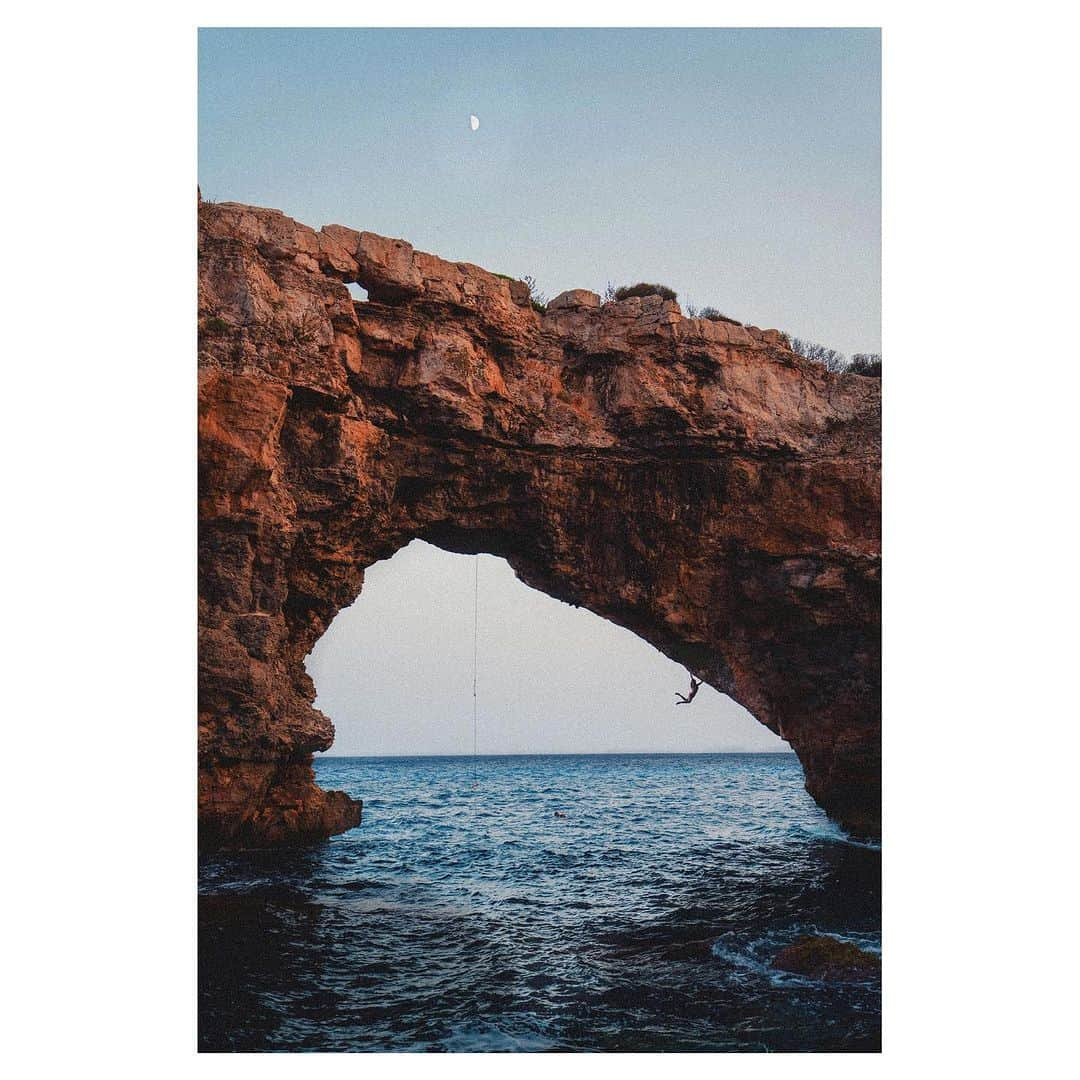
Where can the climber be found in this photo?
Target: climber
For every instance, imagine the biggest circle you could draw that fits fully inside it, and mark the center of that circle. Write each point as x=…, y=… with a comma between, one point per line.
x=685, y=699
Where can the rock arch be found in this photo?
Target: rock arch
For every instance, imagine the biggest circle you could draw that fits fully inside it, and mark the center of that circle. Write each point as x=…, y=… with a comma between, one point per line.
x=393, y=671
x=693, y=481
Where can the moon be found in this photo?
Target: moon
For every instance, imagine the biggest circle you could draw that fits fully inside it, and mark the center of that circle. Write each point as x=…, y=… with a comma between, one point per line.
x=474, y=121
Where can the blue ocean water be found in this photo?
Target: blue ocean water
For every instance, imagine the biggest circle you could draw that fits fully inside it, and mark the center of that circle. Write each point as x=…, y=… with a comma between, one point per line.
x=592, y=903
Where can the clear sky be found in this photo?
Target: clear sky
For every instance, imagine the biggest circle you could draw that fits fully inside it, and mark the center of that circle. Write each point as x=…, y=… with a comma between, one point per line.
x=740, y=167
x=394, y=672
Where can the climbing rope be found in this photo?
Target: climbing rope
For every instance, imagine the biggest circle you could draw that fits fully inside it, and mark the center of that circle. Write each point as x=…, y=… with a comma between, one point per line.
x=475, y=637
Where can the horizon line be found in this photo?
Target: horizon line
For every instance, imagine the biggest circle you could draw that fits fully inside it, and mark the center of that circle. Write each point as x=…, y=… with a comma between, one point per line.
x=567, y=753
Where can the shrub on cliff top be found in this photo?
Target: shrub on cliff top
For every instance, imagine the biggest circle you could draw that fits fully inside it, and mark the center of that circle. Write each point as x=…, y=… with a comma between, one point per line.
x=538, y=299
x=868, y=364
x=643, y=288
x=830, y=359
x=713, y=315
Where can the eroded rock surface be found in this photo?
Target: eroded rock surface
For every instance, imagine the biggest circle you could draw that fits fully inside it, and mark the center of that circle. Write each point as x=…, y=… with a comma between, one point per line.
x=693, y=481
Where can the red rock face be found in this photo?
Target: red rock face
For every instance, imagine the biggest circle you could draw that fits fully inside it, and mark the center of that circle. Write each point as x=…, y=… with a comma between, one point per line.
x=693, y=481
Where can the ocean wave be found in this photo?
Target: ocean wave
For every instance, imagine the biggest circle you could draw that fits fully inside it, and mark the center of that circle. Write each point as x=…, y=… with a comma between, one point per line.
x=472, y=920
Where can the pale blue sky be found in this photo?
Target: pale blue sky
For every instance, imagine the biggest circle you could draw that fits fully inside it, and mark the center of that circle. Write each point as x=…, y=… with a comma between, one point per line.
x=394, y=672
x=740, y=167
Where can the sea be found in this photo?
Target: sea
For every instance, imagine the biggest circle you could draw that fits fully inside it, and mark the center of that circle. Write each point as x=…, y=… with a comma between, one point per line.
x=625, y=902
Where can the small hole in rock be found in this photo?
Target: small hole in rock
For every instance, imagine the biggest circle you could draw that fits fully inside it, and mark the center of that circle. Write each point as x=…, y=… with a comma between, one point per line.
x=357, y=292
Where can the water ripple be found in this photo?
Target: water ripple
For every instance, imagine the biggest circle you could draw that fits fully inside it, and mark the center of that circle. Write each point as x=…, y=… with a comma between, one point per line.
x=475, y=919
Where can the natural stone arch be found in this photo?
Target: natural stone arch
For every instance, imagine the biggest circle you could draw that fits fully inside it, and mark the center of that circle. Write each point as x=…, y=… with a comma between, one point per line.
x=695, y=482
x=394, y=672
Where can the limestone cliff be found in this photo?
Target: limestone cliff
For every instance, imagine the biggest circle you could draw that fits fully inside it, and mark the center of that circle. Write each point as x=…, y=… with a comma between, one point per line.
x=693, y=481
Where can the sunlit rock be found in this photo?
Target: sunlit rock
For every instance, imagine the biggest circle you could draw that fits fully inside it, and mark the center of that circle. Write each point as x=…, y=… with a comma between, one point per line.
x=695, y=482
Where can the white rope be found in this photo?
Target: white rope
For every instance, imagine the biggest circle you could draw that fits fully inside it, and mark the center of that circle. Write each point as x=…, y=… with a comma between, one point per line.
x=476, y=631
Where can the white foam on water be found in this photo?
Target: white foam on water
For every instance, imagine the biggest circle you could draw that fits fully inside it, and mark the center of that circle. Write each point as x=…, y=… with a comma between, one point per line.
x=487, y=1037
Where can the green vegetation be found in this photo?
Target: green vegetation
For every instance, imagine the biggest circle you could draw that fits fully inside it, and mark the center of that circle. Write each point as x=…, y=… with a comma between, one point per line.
x=214, y=325
x=868, y=364
x=713, y=315
x=642, y=288
x=829, y=359
x=538, y=299
x=865, y=364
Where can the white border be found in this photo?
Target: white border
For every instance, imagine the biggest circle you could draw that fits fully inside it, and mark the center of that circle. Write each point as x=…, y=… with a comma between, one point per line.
x=98, y=437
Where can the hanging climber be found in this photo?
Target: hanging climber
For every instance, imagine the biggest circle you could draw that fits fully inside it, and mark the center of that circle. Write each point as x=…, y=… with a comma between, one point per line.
x=685, y=699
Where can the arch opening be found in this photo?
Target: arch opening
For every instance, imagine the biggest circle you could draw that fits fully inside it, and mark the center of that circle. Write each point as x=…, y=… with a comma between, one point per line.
x=393, y=672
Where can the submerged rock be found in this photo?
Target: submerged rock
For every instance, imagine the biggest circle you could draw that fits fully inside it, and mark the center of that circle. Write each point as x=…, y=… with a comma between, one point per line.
x=822, y=957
